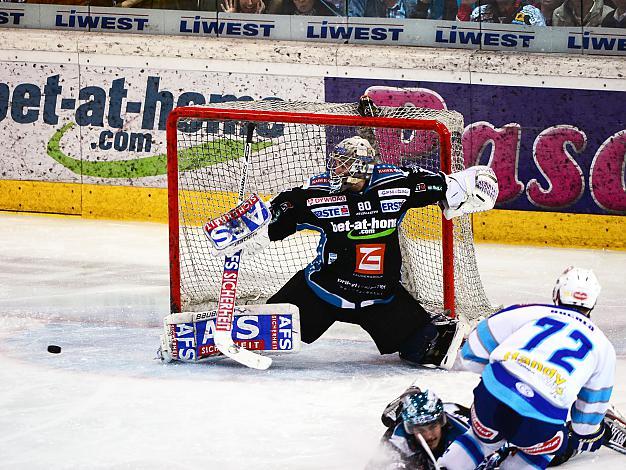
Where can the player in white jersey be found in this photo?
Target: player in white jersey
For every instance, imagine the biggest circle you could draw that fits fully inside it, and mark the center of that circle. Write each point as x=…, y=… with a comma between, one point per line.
x=538, y=363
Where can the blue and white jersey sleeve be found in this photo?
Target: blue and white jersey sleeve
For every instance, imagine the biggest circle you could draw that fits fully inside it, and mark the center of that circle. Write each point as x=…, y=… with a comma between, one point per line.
x=593, y=399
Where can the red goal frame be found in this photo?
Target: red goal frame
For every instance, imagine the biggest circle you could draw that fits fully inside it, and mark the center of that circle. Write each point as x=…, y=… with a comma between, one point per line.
x=221, y=114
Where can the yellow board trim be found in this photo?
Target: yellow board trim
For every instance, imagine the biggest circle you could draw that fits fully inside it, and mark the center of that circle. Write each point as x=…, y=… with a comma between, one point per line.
x=551, y=229
x=150, y=204
x=124, y=203
x=87, y=200
x=40, y=196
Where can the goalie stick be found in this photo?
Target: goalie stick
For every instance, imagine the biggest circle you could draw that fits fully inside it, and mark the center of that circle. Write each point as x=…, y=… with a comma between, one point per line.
x=228, y=291
x=429, y=452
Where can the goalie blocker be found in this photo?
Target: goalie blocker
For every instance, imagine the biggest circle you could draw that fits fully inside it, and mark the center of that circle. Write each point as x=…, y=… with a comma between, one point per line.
x=241, y=228
x=189, y=336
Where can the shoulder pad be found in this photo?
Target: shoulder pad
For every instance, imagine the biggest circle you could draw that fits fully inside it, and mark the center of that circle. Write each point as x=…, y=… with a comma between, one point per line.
x=415, y=168
x=399, y=440
x=320, y=181
x=385, y=172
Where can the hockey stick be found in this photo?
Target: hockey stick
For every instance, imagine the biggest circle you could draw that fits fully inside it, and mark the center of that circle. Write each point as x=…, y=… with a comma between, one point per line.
x=228, y=292
x=428, y=451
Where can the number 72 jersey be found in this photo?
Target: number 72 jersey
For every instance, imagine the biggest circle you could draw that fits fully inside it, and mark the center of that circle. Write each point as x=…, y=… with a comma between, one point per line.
x=541, y=359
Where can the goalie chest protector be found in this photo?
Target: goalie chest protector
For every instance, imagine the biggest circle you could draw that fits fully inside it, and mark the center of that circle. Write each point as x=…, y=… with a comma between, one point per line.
x=359, y=258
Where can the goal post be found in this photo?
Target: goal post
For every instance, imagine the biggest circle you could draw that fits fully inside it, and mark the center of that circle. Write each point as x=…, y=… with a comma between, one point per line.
x=291, y=143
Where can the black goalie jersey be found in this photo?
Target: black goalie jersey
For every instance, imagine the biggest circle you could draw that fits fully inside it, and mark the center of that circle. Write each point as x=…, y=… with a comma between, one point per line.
x=358, y=259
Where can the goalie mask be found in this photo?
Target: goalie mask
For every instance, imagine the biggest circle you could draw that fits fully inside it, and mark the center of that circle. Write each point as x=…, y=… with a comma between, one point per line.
x=422, y=410
x=577, y=287
x=351, y=162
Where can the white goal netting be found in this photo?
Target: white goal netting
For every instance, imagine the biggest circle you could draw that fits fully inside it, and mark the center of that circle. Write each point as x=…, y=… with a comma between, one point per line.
x=291, y=143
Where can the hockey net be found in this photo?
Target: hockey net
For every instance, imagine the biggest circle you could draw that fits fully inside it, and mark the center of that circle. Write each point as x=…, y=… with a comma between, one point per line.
x=291, y=143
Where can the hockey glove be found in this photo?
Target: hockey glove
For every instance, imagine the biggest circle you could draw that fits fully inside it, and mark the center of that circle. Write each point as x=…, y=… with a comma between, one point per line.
x=474, y=189
x=391, y=414
x=588, y=442
x=367, y=108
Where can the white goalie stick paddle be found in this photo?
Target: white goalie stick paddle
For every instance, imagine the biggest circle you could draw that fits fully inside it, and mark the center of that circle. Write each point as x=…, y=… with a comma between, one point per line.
x=228, y=292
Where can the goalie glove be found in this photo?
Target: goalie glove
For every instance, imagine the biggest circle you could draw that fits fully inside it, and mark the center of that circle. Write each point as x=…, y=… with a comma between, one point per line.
x=242, y=228
x=474, y=189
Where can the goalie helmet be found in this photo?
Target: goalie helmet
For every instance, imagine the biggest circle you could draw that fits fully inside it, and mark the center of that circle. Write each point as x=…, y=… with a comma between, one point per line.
x=351, y=161
x=422, y=409
x=576, y=287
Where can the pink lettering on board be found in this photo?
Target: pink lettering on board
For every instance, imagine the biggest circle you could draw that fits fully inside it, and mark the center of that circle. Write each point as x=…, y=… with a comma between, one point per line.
x=397, y=97
x=504, y=157
x=607, y=174
x=397, y=147
x=565, y=179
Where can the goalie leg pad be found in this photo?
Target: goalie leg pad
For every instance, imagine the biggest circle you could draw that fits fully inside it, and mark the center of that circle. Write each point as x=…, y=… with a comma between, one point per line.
x=416, y=346
x=189, y=336
x=474, y=189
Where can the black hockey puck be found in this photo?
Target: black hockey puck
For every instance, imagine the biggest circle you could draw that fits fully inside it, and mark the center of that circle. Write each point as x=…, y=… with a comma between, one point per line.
x=54, y=349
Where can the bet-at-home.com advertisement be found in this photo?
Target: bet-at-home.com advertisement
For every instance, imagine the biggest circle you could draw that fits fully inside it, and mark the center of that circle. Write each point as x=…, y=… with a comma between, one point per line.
x=106, y=125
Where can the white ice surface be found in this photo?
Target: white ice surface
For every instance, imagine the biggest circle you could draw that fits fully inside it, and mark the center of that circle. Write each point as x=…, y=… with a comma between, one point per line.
x=99, y=290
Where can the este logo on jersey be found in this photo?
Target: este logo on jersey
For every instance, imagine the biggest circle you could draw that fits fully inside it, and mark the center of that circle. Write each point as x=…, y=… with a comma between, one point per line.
x=548, y=447
x=370, y=258
x=331, y=212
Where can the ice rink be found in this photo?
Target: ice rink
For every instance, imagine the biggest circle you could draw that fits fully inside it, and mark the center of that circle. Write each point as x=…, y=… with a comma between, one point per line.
x=99, y=289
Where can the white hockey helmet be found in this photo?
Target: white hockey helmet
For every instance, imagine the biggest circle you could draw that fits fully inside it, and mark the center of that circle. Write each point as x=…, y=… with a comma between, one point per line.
x=576, y=287
x=351, y=160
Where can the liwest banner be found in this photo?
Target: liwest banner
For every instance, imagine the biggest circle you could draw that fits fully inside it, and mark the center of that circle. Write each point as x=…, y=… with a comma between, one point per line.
x=339, y=30
x=553, y=149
